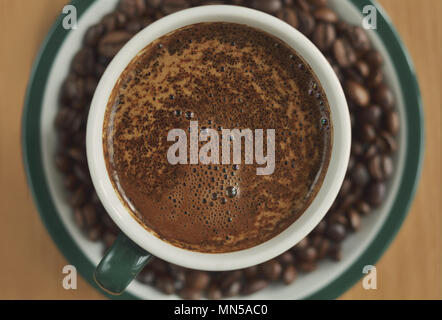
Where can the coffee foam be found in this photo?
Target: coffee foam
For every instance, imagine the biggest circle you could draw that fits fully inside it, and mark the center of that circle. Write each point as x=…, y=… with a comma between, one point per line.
x=224, y=76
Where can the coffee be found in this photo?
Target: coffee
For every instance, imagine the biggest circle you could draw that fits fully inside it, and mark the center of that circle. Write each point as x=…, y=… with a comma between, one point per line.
x=222, y=75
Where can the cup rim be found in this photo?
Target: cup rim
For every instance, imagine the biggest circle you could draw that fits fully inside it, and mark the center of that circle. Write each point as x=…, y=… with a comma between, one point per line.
x=296, y=231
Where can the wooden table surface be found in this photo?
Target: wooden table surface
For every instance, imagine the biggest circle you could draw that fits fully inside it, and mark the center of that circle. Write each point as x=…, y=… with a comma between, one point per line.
x=31, y=265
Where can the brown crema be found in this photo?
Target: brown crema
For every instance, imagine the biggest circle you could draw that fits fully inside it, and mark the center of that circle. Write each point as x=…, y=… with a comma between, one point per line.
x=222, y=75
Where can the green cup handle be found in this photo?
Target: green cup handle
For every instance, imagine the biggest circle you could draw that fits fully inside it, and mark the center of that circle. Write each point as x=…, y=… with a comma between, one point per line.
x=121, y=264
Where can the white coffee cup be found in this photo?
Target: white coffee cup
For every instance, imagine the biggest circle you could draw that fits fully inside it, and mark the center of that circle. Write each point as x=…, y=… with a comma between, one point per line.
x=341, y=138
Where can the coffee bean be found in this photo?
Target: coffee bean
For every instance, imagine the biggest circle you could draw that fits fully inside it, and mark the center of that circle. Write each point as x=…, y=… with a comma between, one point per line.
x=335, y=251
x=165, y=284
x=132, y=8
x=303, y=5
x=171, y=6
x=271, y=270
x=370, y=115
x=94, y=233
x=110, y=44
x=73, y=88
x=214, y=293
x=307, y=266
x=233, y=289
x=343, y=53
x=324, y=35
x=286, y=258
x=322, y=247
x=146, y=276
x=345, y=187
x=386, y=142
x=375, y=168
x=359, y=175
x=84, y=62
x=326, y=15
x=362, y=69
x=254, y=286
x=368, y=133
x=362, y=207
x=190, y=294
x=319, y=3
x=134, y=26
x=357, y=93
x=78, y=198
x=93, y=34
x=359, y=38
x=354, y=221
x=62, y=162
x=307, y=255
x=387, y=167
x=90, y=215
x=250, y=272
x=392, y=122
x=289, y=274
x=197, y=279
x=306, y=23
x=374, y=59
x=70, y=182
x=375, y=79
x=336, y=232
x=79, y=218
x=376, y=193
x=357, y=149
x=289, y=16
x=230, y=277
x=109, y=22
x=154, y=3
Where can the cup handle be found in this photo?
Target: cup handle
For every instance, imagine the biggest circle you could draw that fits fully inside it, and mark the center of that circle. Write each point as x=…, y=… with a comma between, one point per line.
x=121, y=264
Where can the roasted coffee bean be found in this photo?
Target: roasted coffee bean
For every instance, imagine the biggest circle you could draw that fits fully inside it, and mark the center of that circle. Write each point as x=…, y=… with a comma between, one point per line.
x=270, y=6
x=359, y=175
x=254, y=286
x=362, y=69
x=78, y=198
x=307, y=266
x=79, y=218
x=392, y=122
x=251, y=272
x=132, y=8
x=345, y=187
x=214, y=293
x=63, y=162
x=367, y=133
x=134, y=26
x=370, y=151
x=354, y=221
x=325, y=14
x=74, y=88
x=109, y=22
x=324, y=35
x=375, y=79
x=90, y=215
x=271, y=269
x=165, y=284
x=374, y=59
x=197, y=279
x=343, y=53
x=303, y=5
x=359, y=38
x=362, y=207
x=319, y=3
x=94, y=233
x=370, y=115
x=146, y=276
x=70, y=182
x=84, y=62
x=375, y=168
x=376, y=193
x=230, y=277
x=357, y=93
x=336, y=232
x=289, y=16
x=289, y=274
x=320, y=228
x=286, y=258
x=386, y=142
x=335, y=251
x=322, y=247
x=93, y=34
x=110, y=44
x=154, y=3
x=77, y=154
x=306, y=23
x=307, y=255
x=171, y=6
x=301, y=245
x=384, y=96
x=233, y=289
x=191, y=294
x=357, y=149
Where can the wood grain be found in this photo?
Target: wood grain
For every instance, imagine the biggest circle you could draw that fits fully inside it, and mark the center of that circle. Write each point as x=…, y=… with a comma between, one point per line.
x=31, y=265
